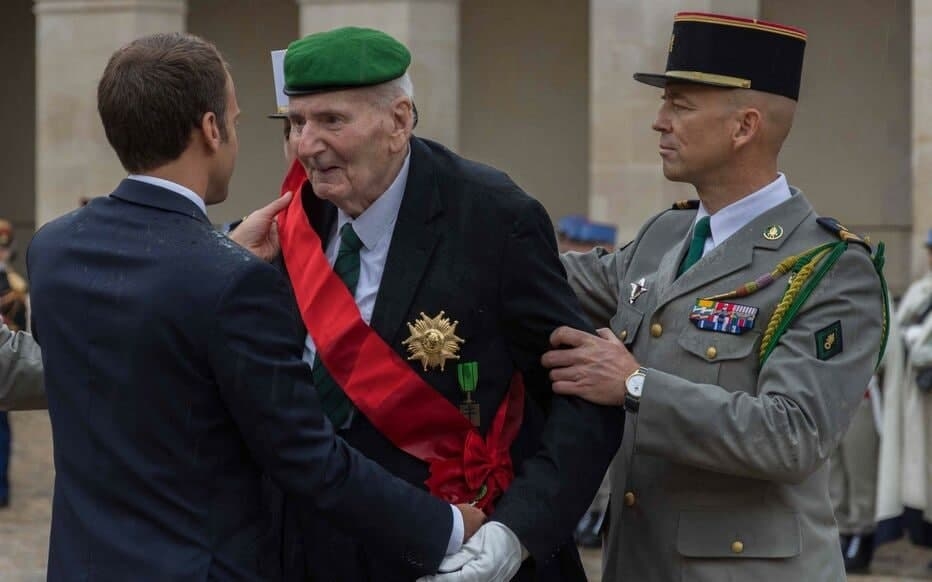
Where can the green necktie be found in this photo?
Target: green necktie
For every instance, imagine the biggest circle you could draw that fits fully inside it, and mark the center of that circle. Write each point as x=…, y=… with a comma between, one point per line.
x=332, y=398
x=697, y=244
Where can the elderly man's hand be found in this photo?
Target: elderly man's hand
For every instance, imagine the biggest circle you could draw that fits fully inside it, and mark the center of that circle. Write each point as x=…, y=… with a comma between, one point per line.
x=494, y=554
x=473, y=519
x=588, y=366
x=258, y=232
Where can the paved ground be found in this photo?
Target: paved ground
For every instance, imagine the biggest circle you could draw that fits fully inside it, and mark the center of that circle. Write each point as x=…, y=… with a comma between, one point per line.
x=24, y=526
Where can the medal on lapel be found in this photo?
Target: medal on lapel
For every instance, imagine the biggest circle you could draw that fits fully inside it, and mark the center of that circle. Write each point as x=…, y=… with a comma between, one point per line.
x=433, y=341
x=637, y=289
x=721, y=316
x=468, y=375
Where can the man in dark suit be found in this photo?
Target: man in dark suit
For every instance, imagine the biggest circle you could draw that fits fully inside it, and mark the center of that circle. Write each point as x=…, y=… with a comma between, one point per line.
x=172, y=378
x=457, y=288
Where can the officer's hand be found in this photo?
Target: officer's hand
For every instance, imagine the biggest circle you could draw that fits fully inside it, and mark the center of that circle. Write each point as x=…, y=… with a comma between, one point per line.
x=473, y=518
x=258, y=232
x=588, y=366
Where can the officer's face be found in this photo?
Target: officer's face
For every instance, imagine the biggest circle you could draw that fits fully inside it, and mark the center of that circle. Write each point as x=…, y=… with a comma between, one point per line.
x=695, y=124
x=349, y=145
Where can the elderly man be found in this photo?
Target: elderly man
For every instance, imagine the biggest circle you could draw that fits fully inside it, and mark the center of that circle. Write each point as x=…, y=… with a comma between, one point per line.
x=444, y=289
x=742, y=330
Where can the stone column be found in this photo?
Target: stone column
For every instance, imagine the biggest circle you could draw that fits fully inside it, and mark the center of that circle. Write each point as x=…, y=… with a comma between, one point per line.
x=629, y=36
x=74, y=40
x=430, y=30
x=922, y=135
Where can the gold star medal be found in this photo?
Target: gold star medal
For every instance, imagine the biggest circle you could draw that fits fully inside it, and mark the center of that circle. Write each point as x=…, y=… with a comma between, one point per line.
x=433, y=341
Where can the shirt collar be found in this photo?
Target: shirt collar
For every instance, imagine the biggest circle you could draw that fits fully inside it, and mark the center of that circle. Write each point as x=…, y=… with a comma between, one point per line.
x=174, y=187
x=376, y=221
x=736, y=215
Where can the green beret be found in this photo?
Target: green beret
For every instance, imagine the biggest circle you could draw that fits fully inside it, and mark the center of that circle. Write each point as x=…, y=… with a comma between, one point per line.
x=342, y=59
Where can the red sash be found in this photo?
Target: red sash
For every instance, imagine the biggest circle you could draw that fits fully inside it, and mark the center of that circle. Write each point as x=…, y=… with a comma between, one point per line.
x=464, y=467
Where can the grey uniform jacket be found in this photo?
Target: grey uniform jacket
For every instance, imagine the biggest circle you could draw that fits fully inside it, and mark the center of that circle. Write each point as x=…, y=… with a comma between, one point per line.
x=721, y=474
x=20, y=371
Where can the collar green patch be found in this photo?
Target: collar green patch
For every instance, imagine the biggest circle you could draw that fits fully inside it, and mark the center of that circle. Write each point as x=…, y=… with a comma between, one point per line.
x=828, y=341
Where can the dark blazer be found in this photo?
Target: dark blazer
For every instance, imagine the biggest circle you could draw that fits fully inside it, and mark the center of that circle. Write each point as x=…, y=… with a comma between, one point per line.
x=469, y=242
x=173, y=382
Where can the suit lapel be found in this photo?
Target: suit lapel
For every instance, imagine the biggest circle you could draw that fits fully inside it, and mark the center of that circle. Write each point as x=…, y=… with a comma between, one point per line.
x=415, y=236
x=737, y=252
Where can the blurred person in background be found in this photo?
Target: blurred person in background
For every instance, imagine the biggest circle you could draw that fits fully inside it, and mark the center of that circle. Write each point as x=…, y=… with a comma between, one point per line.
x=281, y=105
x=20, y=371
x=904, y=496
x=853, y=482
x=14, y=304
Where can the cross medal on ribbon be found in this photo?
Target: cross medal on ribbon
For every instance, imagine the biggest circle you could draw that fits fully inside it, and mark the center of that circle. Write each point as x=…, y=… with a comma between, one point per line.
x=468, y=375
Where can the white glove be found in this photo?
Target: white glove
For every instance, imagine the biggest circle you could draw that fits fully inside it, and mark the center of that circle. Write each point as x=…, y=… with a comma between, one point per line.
x=492, y=554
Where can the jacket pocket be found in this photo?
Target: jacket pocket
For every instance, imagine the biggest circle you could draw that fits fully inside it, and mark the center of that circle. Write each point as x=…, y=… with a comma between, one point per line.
x=738, y=534
x=717, y=350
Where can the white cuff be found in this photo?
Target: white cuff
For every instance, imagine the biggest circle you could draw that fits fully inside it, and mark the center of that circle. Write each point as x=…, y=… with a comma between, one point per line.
x=456, y=536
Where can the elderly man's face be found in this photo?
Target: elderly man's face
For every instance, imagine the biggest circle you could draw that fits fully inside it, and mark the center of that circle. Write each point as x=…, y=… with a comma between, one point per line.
x=344, y=141
x=695, y=123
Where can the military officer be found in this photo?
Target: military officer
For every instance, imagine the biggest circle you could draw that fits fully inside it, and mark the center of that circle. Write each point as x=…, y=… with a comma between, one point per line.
x=742, y=330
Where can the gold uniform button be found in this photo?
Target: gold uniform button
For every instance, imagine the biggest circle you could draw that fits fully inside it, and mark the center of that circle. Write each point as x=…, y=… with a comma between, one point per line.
x=711, y=352
x=623, y=335
x=630, y=499
x=656, y=330
x=737, y=547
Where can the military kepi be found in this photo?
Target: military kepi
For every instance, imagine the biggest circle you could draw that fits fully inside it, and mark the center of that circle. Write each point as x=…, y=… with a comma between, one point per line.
x=278, y=77
x=726, y=51
x=343, y=58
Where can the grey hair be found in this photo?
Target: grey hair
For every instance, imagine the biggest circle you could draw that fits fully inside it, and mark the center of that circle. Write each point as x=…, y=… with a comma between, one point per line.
x=384, y=93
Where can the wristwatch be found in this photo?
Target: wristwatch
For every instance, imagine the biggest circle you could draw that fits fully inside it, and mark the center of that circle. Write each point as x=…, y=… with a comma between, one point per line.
x=634, y=386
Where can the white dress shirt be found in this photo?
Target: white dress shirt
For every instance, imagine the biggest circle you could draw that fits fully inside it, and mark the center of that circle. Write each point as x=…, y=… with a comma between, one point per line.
x=375, y=227
x=174, y=187
x=737, y=215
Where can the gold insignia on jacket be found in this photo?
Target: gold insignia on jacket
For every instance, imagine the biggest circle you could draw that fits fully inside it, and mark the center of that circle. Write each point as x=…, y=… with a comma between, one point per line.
x=433, y=341
x=773, y=232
